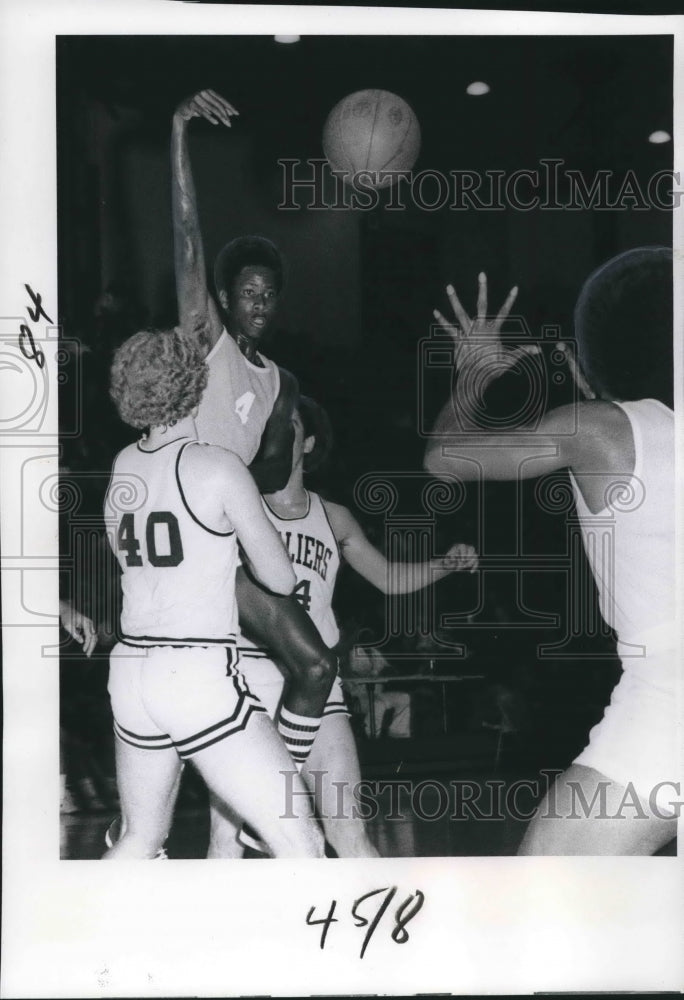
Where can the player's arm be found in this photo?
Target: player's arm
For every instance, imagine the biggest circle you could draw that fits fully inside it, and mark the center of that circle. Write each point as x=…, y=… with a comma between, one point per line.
x=273, y=463
x=260, y=542
x=462, y=448
x=552, y=444
x=198, y=316
x=392, y=577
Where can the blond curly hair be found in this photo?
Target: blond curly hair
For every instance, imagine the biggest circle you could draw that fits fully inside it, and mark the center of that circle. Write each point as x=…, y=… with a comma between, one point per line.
x=157, y=378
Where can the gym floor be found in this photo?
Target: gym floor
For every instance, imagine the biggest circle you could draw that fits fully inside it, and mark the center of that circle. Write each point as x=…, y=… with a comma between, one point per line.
x=432, y=823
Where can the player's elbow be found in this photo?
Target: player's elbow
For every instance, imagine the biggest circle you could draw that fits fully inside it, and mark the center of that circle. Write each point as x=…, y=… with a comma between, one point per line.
x=452, y=466
x=277, y=576
x=433, y=461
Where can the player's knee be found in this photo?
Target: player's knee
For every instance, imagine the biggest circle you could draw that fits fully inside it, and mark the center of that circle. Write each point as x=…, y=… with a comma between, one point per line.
x=321, y=672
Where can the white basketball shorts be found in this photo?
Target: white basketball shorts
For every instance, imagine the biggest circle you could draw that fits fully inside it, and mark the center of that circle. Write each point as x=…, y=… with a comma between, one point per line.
x=183, y=698
x=266, y=682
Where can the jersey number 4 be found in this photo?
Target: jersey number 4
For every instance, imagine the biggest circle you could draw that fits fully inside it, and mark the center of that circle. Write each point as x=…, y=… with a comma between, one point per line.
x=243, y=405
x=127, y=541
x=303, y=594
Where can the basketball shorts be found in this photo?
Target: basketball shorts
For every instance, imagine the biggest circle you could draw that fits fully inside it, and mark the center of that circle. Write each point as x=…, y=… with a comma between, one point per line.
x=267, y=682
x=635, y=743
x=181, y=698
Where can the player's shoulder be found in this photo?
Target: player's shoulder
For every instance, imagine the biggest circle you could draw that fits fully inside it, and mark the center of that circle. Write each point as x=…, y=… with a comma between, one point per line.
x=340, y=518
x=597, y=435
x=212, y=459
x=585, y=418
x=125, y=455
x=603, y=420
x=223, y=346
x=289, y=386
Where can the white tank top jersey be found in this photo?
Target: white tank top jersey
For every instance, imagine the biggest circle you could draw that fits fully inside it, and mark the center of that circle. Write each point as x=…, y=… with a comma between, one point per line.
x=238, y=399
x=178, y=576
x=630, y=544
x=316, y=561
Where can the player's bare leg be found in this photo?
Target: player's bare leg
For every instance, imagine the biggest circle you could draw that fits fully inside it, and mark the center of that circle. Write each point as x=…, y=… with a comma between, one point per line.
x=334, y=754
x=616, y=824
x=335, y=761
x=148, y=782
x=229, y=768
x=223, y=831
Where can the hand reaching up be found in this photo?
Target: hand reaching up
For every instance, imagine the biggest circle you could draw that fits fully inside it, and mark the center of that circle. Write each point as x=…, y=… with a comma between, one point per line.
x=209, y=105
x=480, y=356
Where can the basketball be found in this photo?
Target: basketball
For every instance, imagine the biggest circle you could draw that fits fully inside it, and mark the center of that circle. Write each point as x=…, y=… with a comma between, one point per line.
x=371, y=130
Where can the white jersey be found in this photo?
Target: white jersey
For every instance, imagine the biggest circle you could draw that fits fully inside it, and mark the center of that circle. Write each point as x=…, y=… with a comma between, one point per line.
x=178, y=575
x=238, y=399
x=315, y=556
x=630, y=544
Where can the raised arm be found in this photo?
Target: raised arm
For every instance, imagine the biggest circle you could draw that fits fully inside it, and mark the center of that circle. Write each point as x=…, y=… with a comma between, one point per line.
x=198, y=316
x=392, y=578
x=273, y=464
x=459, y=446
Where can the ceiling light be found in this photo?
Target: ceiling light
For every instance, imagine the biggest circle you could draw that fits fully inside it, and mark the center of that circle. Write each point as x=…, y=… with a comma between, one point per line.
x=659, y=136
x=286, y=39
x=477, y=88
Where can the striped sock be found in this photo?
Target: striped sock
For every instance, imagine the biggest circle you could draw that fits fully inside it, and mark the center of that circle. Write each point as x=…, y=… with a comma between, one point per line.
x=298, y=732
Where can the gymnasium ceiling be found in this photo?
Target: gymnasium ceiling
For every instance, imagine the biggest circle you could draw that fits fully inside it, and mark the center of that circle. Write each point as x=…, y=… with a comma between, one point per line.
x=592, y=101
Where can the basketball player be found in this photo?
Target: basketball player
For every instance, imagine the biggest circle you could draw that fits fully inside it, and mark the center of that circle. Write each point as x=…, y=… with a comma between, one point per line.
x=318, y=535
x=247, y=408
x=618, y=446
x=176, y=510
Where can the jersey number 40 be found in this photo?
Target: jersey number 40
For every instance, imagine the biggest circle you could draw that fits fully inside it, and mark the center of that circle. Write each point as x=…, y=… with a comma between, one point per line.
x=173, y=550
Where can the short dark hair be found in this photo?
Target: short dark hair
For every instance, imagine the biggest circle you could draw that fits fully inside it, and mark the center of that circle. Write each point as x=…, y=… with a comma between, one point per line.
x=316, y=424
x=623, y=326
x=243, y=252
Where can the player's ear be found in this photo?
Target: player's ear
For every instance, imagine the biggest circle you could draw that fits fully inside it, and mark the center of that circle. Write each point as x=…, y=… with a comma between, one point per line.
x=223, y=299
x=308, y=444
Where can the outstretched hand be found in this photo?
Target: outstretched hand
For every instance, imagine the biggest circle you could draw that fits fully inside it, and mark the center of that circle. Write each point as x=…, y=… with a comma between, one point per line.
x=459, y=558
x=477, y=342
x=209, y=105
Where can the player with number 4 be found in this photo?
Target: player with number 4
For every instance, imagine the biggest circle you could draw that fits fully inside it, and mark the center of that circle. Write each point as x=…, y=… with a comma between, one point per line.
x=247, y=408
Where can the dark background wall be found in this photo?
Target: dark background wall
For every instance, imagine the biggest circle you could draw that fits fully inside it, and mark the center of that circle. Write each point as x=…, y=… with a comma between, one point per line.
x=361, y=285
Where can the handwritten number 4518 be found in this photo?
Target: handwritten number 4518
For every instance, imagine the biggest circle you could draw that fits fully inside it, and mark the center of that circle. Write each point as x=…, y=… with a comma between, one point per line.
x=405, y=912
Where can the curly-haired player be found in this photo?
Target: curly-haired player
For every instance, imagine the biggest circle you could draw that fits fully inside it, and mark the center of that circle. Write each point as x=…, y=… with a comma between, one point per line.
x=247, y=408
x=175, y=511
x=618, y=444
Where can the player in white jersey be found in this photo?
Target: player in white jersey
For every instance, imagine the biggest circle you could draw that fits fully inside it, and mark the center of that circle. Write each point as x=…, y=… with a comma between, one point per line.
x=319, y=535
x=247, y=407
x=175, y=511
x=618, y=444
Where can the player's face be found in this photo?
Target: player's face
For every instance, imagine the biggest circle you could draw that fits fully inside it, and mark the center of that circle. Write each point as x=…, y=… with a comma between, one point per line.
x=302, y=445
x=252, y=302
